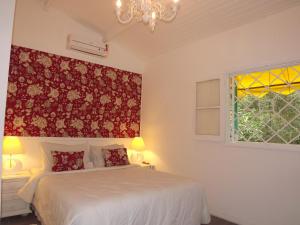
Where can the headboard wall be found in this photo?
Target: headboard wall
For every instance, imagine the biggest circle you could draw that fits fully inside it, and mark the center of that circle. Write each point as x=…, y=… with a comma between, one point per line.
x=55, y=96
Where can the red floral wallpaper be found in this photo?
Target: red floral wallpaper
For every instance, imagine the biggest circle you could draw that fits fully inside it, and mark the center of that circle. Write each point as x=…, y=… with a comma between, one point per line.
x=55, y=96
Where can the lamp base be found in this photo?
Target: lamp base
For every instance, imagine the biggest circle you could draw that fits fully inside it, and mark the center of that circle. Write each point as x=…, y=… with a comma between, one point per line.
x=137, y=157
x=11, y=167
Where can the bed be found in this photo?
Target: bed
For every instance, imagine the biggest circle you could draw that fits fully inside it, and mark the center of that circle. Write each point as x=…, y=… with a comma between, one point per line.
x=123, y=195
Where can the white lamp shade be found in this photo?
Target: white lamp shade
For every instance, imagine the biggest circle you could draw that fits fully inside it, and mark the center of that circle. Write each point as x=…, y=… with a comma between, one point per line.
x=11, y=146
x=138, y=144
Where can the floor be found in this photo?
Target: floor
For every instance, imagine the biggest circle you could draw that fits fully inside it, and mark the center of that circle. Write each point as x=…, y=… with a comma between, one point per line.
x=31, y=220
x=20, y=220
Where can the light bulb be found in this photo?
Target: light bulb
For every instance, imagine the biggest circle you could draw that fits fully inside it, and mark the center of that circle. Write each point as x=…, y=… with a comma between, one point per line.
x=119, y=3
x=152, y=25
x=153, y=15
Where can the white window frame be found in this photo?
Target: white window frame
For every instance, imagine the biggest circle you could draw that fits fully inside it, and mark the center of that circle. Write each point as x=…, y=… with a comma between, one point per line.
x=257, y=145
x=222, y=113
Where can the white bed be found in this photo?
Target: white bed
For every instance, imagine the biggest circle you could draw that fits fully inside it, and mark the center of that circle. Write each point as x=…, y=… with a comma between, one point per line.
x=127, y=195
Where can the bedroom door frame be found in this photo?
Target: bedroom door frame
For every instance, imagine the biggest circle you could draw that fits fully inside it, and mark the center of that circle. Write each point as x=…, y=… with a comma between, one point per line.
x=7, y=12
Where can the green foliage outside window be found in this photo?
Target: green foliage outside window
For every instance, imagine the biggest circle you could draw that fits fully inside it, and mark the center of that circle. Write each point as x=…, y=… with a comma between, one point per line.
x=274, y=118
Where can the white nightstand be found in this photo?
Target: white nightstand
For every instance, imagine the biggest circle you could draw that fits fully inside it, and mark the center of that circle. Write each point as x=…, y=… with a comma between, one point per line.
x=12, y=204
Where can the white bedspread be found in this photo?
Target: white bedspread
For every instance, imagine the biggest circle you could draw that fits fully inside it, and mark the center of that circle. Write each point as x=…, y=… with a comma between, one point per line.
x=127, y=195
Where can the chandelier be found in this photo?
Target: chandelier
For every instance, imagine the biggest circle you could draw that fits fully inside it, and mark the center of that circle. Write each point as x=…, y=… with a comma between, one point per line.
x=146, y=11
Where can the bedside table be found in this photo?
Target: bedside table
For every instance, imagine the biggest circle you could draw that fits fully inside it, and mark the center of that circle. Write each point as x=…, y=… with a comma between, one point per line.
x=12, y=205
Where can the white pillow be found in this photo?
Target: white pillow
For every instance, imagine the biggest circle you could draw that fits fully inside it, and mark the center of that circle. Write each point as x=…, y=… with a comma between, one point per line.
x=47, y=147
x=97, y=154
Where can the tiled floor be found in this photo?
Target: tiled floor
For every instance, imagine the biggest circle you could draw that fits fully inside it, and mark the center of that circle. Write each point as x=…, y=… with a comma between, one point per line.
x=30, y=220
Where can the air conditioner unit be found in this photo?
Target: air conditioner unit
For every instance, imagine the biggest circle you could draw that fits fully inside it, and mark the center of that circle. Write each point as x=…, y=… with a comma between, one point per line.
x=85, y=45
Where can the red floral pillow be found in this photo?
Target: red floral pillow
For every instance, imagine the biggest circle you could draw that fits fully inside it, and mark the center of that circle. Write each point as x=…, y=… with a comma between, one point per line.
x=115, y=157
x=64, y=161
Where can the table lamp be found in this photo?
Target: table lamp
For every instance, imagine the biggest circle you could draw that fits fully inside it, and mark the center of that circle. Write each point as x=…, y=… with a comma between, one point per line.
x=138, y=145
x=12, y=146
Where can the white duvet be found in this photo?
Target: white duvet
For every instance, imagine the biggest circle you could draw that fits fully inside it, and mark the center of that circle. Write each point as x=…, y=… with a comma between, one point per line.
x=127, y=195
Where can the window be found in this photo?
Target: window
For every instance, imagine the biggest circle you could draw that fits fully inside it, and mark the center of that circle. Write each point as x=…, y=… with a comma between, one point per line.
x=265, y=106
x=208, y=107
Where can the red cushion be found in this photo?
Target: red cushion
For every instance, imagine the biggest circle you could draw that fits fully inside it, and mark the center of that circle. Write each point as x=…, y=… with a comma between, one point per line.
x=64, y=161
x=115, y=157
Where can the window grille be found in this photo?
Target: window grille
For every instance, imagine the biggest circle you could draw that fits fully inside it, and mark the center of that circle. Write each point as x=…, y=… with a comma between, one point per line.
x=265, y=106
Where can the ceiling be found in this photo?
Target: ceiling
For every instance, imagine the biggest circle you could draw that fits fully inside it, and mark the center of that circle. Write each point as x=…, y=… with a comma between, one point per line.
x=196, y=19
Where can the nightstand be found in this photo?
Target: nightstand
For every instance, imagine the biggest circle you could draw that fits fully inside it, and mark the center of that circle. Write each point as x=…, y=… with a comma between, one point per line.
x=12, y=204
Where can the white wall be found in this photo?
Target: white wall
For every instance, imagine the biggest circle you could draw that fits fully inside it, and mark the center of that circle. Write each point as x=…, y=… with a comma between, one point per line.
x=7, y=10
x=47, y=30
x=245, y=185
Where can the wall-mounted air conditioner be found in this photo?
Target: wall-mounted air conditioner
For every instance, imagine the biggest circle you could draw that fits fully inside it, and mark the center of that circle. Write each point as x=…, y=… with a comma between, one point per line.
x=85, y=45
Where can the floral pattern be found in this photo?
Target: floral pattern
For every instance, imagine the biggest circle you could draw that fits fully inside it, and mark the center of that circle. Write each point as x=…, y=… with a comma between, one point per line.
x=55, y=96
x=65, y=161
x=115, y=157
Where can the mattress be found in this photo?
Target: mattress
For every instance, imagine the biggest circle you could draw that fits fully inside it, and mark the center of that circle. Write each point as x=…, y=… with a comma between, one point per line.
x=128, y=195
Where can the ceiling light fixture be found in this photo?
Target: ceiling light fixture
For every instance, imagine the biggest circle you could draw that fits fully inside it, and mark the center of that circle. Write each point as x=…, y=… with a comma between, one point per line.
x=146, y=11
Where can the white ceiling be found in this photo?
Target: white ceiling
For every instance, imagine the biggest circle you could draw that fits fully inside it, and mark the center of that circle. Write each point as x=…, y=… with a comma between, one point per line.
x=196, y=19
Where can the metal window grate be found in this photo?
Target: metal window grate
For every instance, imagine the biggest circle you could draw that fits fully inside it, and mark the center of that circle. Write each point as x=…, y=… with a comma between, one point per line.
x=265, y=106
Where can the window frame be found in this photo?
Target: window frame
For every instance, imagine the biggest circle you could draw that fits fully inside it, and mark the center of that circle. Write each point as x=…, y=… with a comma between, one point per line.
x=222, y=126
x=228, y=103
